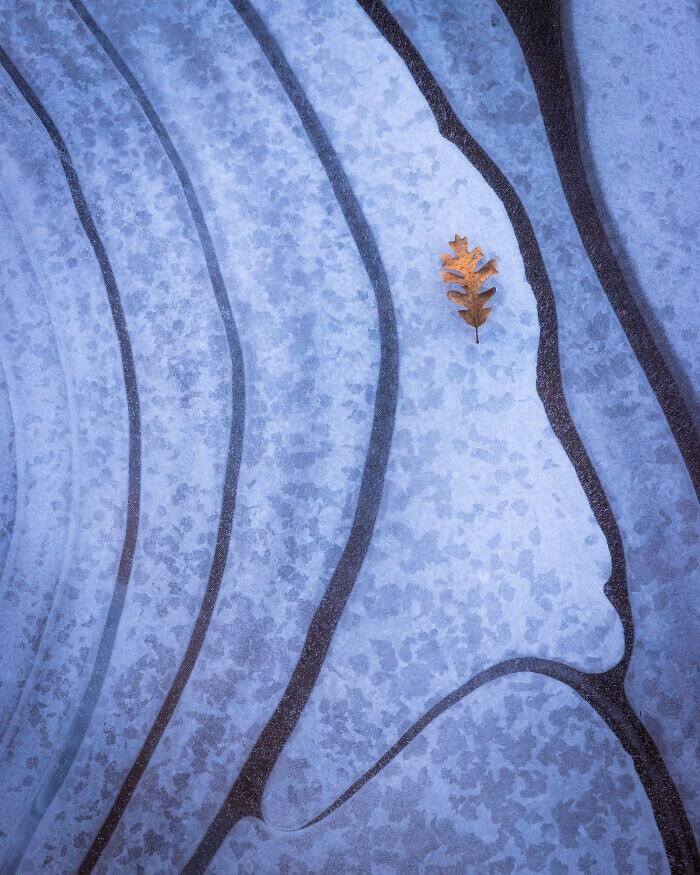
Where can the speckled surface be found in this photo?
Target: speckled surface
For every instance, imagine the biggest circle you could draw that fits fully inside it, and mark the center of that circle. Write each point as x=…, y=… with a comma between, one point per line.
x=485, y=547
x=630, y=62
x=520, y=777
x=8, y=490
x=612, y=405
x=68, y=411
x=36, y=390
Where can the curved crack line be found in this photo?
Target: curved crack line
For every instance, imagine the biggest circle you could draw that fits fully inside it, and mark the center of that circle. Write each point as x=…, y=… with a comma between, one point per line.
x=670, y=815
x=549, y=383
x=19, y=486
x=21, y=490
x=613, y=232
x=245, y=797
x=233, y=455
x=10, y=729
x=537, y=27
x=603, y=693
x=9, y=526
x=34, y=272
x=76, y=732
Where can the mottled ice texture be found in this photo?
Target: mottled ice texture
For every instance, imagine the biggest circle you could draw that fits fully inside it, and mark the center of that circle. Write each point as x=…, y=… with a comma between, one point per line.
x=613, y=407
x=521, y=777
x=310, y=348
x=62, y=369
x=636, y=68
x=484, y=528
x=43, y=462
x=8, y=469
x=485, y=546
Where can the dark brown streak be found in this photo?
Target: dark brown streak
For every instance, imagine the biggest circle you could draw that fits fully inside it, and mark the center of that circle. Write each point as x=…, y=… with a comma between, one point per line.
x=549, y=383
x=605, y=694
x=538, y=28
x=245, y=796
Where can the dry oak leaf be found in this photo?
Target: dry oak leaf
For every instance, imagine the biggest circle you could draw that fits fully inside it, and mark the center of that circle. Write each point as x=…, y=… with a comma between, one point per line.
x=460, y=269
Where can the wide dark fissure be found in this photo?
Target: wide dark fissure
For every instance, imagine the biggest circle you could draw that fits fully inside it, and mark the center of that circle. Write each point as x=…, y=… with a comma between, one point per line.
x=605, y=694
x=246, y=794
x=76, y=732
x=537, y=26
x=612, y=231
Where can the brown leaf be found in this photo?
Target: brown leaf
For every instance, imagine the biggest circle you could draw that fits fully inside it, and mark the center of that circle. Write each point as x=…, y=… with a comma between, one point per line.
x=486, y=296
x=458, y=298
x=461, y=269
x=475, y=318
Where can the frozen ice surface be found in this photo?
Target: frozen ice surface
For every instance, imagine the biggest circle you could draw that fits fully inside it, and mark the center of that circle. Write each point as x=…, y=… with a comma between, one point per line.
x=8, y=469
x=309, y=338
x=62, y=370
x=612, y=405
x=176, y=333
x=62, y=367
x=43, y=462
x=484, y=528
x=635, y=65
x=485, y=546
x=521, y=777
